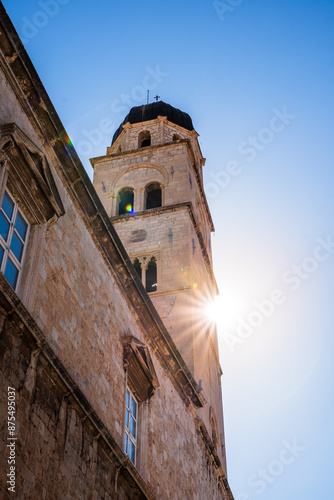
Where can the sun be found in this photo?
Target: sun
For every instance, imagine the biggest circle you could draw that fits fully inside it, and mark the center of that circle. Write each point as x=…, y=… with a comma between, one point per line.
x=225, y=309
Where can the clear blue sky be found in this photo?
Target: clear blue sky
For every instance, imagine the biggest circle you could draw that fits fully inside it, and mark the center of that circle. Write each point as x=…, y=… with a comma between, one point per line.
x=257, y=79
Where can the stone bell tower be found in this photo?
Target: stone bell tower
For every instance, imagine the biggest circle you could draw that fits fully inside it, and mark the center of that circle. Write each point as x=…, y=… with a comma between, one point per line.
x=151, y=185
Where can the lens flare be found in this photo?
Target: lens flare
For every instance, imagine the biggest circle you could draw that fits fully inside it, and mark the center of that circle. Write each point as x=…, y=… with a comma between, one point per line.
x=129, y=208
x=225, y=310
x=212, y=311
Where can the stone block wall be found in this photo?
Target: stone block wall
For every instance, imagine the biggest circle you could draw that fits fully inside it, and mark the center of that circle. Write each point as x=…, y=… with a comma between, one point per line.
x=170, y=166
x=60, y=452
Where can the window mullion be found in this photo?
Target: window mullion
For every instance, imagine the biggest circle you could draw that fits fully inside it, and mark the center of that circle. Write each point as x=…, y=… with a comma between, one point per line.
x=10, y=234
x=4, y=258
x=14, y=213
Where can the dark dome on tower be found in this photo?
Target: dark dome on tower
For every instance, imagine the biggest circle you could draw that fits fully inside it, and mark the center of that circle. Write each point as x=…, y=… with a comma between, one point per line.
x=151, y=111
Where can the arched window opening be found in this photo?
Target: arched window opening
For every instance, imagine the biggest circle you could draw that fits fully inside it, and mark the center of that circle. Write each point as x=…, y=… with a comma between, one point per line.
x=137, y=266
x=214, y=437
x=176, y=137
x=214, y=432
x=202, y=219
x=151, y=276
x=153, y=195
x=144, y=139
x=125, y=201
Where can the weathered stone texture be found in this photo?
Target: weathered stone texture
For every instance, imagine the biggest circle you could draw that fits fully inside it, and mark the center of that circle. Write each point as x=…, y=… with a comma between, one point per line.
x=59, y=450
x=58, y=454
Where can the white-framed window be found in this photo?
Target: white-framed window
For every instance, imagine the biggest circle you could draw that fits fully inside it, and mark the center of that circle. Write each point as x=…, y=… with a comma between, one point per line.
x=140, y=384
x=14, y=231
x=131, y=426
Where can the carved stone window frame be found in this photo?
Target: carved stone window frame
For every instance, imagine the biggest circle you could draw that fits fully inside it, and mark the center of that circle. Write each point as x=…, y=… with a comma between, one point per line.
x=140, y=370
x=26, y=174
x=141, y=379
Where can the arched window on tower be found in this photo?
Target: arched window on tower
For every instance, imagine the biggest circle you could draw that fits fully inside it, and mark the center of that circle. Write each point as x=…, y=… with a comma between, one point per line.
x=153, y=195
x=214, y=431
x=151, y=275
x=144, y=139
x=125, y=201
x=137, y=266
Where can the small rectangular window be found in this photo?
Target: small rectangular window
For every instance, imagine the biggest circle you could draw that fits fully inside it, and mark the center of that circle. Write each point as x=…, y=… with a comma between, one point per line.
x=131, y=423
x=13, y=239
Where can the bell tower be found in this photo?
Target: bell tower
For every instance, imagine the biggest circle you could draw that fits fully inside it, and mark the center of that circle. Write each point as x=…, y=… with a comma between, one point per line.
x=151, y=185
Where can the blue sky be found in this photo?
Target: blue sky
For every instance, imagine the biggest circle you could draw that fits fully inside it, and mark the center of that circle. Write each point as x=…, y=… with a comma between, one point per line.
x=257, y=79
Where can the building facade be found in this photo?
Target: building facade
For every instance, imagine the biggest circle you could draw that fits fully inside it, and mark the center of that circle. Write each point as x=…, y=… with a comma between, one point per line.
x=151, y=184
x=105, y=392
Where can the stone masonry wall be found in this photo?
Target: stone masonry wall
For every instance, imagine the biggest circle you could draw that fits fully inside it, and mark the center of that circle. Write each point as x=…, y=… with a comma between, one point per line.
x=58, y=453
x=83, y=311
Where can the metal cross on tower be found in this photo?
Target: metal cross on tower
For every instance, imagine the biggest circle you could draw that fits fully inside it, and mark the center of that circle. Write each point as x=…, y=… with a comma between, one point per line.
x=156, y=97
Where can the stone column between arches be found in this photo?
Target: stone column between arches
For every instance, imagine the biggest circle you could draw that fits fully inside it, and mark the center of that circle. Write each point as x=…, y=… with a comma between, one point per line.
x=139, y=199
x=113, y=204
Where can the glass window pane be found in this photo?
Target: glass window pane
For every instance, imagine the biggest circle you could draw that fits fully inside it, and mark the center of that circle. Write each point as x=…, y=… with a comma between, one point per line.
x=7, y=206
x=4, y=226
x=127, y=418
x=132, y=452
x=11, y=273
x=126, y=443
x=16, y=246
x=1, y=254
x=133, y=407
x=21, y=226
x=133, y=427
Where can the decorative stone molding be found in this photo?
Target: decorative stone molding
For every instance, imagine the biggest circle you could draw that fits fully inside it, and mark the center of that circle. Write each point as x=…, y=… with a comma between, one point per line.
x=141, y=373
x=29, y=174
x=117, y=183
